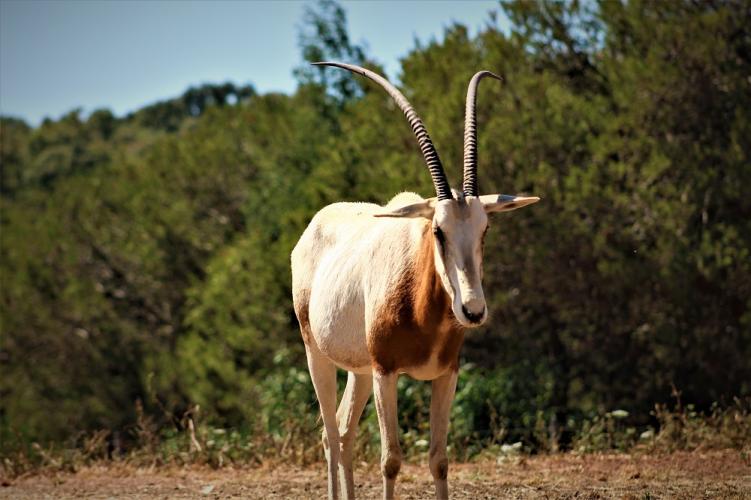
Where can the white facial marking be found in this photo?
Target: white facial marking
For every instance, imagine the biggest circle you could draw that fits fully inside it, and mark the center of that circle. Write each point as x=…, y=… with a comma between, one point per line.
x=459, y=226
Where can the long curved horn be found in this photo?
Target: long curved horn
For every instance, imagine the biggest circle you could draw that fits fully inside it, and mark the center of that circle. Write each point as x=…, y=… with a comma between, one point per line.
x=470, y=134
x=442, y=188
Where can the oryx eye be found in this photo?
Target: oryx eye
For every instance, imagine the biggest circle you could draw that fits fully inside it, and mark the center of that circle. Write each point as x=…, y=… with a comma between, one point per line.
x=439, y=235
x=482, y=238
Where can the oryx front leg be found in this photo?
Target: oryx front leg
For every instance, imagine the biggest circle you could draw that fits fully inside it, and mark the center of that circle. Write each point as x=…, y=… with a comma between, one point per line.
x=442, y=394
x=355, y=397
x=323, y=374
x=384, y=389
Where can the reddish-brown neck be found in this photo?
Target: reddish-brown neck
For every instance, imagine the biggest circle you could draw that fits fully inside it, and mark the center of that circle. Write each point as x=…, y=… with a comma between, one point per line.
x=416, y=320
x=432, y=303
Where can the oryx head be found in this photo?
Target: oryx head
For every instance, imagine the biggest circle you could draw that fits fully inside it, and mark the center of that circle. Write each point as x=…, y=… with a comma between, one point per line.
x=459, y=219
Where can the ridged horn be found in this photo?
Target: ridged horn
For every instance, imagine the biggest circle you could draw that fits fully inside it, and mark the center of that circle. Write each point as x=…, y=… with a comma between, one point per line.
x=470, y=134
x=442, y=188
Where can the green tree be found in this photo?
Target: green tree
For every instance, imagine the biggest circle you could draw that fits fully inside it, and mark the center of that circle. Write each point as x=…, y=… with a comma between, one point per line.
x=146, y=257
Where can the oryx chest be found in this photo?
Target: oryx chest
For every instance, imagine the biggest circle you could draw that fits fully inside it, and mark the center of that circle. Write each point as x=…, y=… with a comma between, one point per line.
x=431, y=369
x=414, y=332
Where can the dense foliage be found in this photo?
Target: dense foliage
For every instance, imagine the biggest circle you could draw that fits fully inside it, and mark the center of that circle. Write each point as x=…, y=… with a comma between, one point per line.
x=145, y=259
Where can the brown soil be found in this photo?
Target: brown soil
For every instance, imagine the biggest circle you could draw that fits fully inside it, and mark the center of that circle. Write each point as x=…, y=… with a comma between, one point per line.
x=725, y=474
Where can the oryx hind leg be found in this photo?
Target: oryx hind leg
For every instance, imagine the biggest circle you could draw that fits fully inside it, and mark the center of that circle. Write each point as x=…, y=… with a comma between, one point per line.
x=323, y=375
x=356, y=395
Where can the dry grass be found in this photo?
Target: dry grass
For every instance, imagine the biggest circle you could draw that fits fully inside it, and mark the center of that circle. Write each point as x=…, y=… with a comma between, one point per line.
x=715, y=474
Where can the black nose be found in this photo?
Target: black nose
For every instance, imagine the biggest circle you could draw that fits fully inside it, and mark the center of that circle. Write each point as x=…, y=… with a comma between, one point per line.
x=473, y=317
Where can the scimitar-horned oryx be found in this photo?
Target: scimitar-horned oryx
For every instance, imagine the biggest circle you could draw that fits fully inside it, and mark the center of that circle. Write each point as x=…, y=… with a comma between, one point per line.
x=385, y=290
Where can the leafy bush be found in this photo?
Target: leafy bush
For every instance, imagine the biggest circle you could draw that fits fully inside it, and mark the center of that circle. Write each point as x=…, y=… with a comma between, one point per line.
x=145, y=260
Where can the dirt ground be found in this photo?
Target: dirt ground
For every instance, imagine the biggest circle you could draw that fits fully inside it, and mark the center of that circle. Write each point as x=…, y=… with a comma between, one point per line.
x=679, y=475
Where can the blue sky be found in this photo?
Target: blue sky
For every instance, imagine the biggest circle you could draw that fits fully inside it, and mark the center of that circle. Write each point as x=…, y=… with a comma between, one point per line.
x=61, y=54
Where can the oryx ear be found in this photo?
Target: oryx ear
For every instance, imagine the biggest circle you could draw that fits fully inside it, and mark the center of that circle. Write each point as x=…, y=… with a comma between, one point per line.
x=504, y=202
x=424, y=208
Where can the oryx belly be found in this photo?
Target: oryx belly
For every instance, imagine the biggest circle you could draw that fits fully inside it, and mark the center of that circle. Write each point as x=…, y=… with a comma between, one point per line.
x=337, y=311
